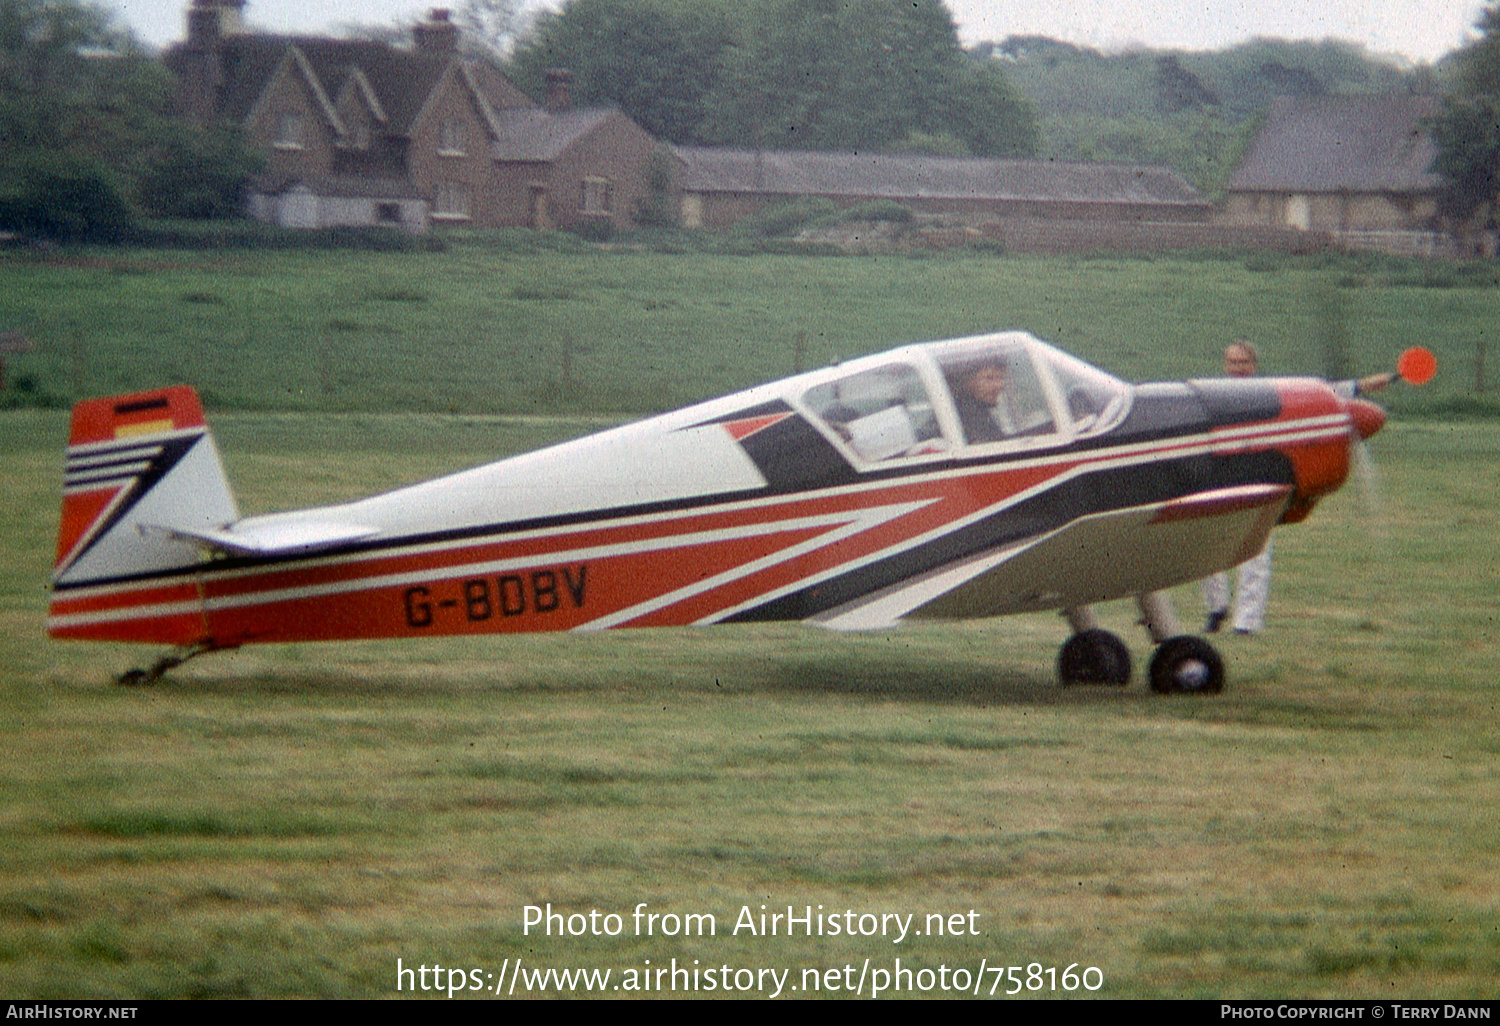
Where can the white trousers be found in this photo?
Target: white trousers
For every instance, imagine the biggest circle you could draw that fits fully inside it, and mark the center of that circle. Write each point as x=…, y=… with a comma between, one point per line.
x=1251, y=594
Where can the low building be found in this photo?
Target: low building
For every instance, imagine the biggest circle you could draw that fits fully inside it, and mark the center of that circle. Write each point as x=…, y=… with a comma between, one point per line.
x=1340, y=164
x=721, y=186
x=357, y=132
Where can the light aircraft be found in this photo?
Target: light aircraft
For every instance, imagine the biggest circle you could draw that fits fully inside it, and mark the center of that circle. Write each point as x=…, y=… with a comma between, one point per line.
x=893, y=487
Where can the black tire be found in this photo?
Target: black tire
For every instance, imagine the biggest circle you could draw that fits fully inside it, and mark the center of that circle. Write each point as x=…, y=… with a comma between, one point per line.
x=1094, y=657
x=1187, y=665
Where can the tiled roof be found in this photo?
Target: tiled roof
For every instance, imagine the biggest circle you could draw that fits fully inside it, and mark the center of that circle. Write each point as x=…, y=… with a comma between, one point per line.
x=911, y=176
x=533, y=134
x=1342, y=144
x=401, y=80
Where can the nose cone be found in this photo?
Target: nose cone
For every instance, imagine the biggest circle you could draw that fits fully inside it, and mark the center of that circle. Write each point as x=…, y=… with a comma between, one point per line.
x=1368, y=418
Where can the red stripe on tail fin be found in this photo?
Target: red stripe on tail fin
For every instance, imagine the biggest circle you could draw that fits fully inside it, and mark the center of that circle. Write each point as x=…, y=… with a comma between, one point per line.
x=144, y=413
x=80, y=512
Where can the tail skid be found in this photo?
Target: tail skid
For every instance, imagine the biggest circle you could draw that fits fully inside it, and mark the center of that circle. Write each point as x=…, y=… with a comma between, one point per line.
x=172, y=660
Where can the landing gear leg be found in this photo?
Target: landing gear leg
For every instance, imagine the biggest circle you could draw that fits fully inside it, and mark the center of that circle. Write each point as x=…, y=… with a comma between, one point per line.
x=140, y=678
x=1159, y=616
x=1182, y=662
x=1092, y=655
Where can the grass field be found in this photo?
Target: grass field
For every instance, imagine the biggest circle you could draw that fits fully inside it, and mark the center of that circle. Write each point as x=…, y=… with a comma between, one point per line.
x=502, y=325
x=293, y=820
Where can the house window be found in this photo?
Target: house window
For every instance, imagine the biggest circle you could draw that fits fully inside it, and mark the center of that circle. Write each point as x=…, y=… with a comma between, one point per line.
x=288, y=132
x=452, y=202
x=596, y=196
x=452, y=139
x=388, y=213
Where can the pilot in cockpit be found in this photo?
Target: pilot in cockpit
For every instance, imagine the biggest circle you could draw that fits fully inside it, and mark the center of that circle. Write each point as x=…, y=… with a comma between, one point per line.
x=997, y=398
x=979, y=393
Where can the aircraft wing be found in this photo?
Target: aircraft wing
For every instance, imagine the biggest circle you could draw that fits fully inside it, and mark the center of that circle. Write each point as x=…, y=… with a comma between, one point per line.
x=1092, y=559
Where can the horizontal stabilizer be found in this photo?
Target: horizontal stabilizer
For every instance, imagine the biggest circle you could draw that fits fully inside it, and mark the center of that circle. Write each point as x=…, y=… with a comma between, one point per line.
x=271, y=539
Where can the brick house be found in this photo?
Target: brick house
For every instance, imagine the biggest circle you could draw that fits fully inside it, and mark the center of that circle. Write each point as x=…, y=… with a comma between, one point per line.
x=356, y=132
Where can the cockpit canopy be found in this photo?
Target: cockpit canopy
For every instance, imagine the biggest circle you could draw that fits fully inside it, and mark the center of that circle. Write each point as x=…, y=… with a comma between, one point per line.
x=1003, y=391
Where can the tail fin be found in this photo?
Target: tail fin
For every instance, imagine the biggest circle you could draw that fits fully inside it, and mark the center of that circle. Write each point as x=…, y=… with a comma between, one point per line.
x=139, y=467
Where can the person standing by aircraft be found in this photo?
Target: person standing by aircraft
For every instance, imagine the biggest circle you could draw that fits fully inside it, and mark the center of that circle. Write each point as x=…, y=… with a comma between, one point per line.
x=1253, y=590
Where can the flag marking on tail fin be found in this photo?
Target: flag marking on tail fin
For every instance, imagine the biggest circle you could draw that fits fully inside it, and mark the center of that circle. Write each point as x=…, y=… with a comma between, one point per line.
x=149, y=427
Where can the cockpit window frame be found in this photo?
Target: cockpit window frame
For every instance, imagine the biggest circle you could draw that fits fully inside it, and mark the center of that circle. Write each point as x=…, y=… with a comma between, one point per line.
x=922, y=449
x=1051, y=367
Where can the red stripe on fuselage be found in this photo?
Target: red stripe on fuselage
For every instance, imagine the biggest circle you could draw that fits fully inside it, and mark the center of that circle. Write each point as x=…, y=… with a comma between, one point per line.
x=675, y=567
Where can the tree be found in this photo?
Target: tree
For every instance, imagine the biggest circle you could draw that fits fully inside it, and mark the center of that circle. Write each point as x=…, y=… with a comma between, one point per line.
x=87, y=130
x=1467, y=137
x=65, y=118
x=45, y=76
x=1478, y=63
x=779, y=78
x=654, y=59
x=198, y=174
x=495, y=25
x=63, y=196
x=806, y=74
x=871, y=74
x=1467, y=131
x=1190, y=111
x=1178, y=88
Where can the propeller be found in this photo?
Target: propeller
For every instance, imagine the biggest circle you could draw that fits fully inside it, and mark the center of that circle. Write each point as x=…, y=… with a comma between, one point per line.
x=1415, y=366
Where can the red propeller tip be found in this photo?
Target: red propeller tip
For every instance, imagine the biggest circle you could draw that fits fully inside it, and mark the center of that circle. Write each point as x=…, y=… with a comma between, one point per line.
x=1417, y=365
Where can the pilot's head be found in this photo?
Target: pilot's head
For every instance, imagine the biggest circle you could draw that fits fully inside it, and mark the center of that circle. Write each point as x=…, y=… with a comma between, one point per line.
x=984, y=380
x=1240, y=359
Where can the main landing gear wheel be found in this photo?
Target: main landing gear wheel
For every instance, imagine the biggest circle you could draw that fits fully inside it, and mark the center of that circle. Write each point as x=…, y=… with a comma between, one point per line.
x=1187, y=664
x=1094, y=656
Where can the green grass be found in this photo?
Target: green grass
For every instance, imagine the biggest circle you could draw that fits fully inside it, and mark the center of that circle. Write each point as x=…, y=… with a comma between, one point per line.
x=495, y=325
x=291, y=820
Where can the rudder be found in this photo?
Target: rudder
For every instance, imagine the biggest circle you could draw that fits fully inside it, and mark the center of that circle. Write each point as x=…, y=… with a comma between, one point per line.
x=138, y=466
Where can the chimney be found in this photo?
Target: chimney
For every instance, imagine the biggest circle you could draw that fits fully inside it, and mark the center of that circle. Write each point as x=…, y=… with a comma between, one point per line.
x=231, y=17
x=200, y=70
x=209, y=21
x=437, y=35
x=559, y=90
